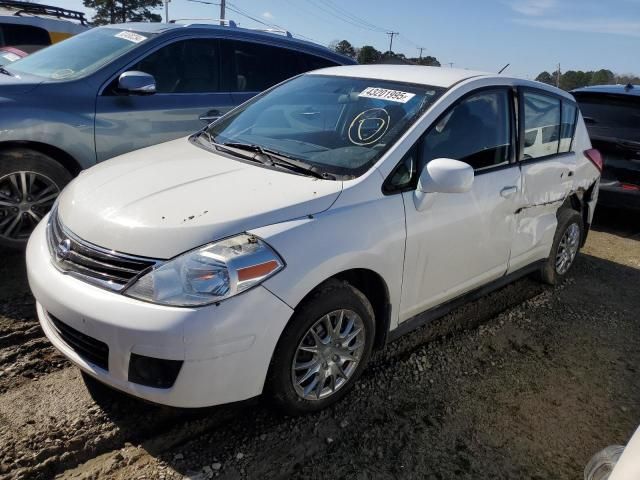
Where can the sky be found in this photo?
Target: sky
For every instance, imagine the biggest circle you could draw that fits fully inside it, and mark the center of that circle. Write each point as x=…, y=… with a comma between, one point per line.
x=531, y=35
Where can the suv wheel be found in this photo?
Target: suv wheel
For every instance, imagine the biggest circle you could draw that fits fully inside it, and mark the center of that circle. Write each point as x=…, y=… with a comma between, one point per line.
x=323, y=350
x=30, y=182
x=565, y=248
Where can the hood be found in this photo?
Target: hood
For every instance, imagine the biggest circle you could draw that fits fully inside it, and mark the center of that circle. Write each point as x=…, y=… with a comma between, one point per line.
x=13, y=84
x=164, y=200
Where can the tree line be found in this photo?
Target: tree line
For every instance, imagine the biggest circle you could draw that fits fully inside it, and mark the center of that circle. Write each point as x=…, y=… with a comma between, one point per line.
x=577, y=78
x=368, y=54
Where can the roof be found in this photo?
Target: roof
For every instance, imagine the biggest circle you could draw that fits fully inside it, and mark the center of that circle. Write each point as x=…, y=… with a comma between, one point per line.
x=230, y=30
x=432, y=76
x=610, y=90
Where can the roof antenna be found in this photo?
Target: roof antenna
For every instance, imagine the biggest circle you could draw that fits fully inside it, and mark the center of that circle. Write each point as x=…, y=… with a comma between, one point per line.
x=504, y=68
x=628, y=87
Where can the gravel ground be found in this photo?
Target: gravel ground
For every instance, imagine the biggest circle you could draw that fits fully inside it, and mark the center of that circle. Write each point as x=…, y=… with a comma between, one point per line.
x=526, y=383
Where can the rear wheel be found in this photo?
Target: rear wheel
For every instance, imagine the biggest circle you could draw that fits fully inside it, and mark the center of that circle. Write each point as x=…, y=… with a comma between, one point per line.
x=323, y=350
x=565, y=248
x=30, y=182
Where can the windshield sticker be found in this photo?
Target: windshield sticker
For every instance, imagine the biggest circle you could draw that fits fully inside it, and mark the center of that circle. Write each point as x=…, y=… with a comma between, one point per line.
x=386, y=94
x=12, y=57
x=369, y=126
x=131, y=36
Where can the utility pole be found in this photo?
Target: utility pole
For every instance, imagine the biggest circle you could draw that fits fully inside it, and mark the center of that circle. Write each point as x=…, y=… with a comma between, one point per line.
x=421, y=49
x=166, y=10
x=223, y=5
x=558, y=77
x=391, y=35
x=450, y=64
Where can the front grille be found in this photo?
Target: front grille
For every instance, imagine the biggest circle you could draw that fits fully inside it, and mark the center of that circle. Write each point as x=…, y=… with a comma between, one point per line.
x=93, y=264
x=92, y=350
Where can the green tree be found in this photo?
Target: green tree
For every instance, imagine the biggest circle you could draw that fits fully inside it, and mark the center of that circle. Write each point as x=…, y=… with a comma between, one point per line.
x=603, y=77
x=428, y=61
x=545, y=77
x=345, y=48
x=368, y=54
x=121, y=11
x=570, y=80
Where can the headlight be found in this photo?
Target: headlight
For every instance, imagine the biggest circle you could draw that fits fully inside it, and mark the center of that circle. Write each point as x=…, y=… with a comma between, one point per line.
x=603, y=463
x=209, y=274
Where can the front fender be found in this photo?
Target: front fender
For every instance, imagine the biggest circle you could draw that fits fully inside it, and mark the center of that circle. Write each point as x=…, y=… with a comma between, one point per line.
x=51, y=117
x=368, y=235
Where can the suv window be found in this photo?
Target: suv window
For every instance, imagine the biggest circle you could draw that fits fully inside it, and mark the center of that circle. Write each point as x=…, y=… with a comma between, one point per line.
x=187, y=66
x=256, y=67
x=12, y=35
x=542, y=116
x=476, y=131
x=611, y=116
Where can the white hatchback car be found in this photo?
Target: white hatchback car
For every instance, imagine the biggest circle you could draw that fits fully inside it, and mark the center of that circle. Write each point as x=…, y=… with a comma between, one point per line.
x=275, y=249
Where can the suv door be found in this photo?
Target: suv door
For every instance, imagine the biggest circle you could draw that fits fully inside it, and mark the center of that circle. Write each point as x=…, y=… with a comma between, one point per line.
x=253, y=67
x=188, y=96
x=547, y=125
x=462, y=240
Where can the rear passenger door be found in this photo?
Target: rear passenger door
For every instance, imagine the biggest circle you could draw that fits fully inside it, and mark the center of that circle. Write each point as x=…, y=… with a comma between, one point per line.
x=251, y=68
x=188, y=96
x=547, y=161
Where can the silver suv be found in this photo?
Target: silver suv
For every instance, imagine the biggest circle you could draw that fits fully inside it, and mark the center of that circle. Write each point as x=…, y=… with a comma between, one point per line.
x=119, y=88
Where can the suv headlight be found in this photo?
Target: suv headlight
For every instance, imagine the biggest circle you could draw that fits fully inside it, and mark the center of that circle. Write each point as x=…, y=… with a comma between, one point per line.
x=209, y=274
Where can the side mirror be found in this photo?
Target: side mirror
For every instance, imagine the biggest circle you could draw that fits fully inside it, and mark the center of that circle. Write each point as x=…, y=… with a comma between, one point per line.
x=443, y=175
x=137, y=83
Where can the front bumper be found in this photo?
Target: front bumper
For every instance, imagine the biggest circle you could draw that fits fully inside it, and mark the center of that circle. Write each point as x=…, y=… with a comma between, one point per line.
x=225, y=349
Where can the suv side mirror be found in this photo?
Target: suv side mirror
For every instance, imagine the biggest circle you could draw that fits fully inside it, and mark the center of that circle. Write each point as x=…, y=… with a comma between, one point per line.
x=137, y=83
x=443, y=175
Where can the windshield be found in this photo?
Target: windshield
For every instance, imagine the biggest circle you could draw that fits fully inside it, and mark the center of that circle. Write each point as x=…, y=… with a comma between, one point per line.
x=338, y=125
x=80, y=55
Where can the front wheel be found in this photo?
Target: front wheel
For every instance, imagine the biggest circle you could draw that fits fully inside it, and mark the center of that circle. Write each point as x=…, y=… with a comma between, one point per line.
x=566, y=244
x=29, y=184
x=323, y=350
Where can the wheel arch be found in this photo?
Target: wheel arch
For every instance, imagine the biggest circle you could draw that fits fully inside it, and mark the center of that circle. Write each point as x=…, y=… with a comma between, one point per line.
x=57, y=154
x=374, y=287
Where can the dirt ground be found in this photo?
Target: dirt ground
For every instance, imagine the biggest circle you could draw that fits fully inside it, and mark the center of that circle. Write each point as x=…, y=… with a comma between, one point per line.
x=526, y=383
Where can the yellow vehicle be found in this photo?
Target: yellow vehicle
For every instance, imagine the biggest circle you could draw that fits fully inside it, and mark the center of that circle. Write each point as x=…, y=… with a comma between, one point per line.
x=31, y=26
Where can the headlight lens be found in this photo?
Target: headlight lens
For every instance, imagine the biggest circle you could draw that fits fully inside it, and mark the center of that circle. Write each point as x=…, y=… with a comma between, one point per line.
x=209, y=274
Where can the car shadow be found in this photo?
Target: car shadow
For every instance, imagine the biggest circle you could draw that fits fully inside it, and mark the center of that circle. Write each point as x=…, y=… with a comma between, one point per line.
x=617, y=221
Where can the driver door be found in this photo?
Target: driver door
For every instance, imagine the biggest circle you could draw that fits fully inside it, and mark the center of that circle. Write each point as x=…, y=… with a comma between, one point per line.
x=460, y=241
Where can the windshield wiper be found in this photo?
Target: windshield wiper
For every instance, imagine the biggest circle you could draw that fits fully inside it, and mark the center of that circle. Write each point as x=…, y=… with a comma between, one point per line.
x=6, y=72
x=281, y=160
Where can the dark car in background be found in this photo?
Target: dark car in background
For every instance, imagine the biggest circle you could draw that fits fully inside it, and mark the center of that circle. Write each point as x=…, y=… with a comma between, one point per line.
x=612, y=116
x=118, y=88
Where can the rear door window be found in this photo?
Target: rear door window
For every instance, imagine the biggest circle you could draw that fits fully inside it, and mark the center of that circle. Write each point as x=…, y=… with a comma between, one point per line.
x=541, y=115
x=254, y=67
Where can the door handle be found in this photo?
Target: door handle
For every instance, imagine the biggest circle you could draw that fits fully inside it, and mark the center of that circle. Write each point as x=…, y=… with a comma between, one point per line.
x=210, y=116
x=508, y=191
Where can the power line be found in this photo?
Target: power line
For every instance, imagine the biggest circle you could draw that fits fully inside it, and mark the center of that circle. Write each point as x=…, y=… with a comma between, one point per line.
x=353, y=17
x=244, y=13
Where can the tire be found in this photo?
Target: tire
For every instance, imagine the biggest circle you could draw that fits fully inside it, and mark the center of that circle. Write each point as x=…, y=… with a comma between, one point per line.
x=20, y=210
x=285, y=385
x=569, y=225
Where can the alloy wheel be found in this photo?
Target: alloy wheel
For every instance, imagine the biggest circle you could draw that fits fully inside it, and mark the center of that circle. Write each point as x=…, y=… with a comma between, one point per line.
x=567, y=249
x=328, y=354
x=25, y=197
